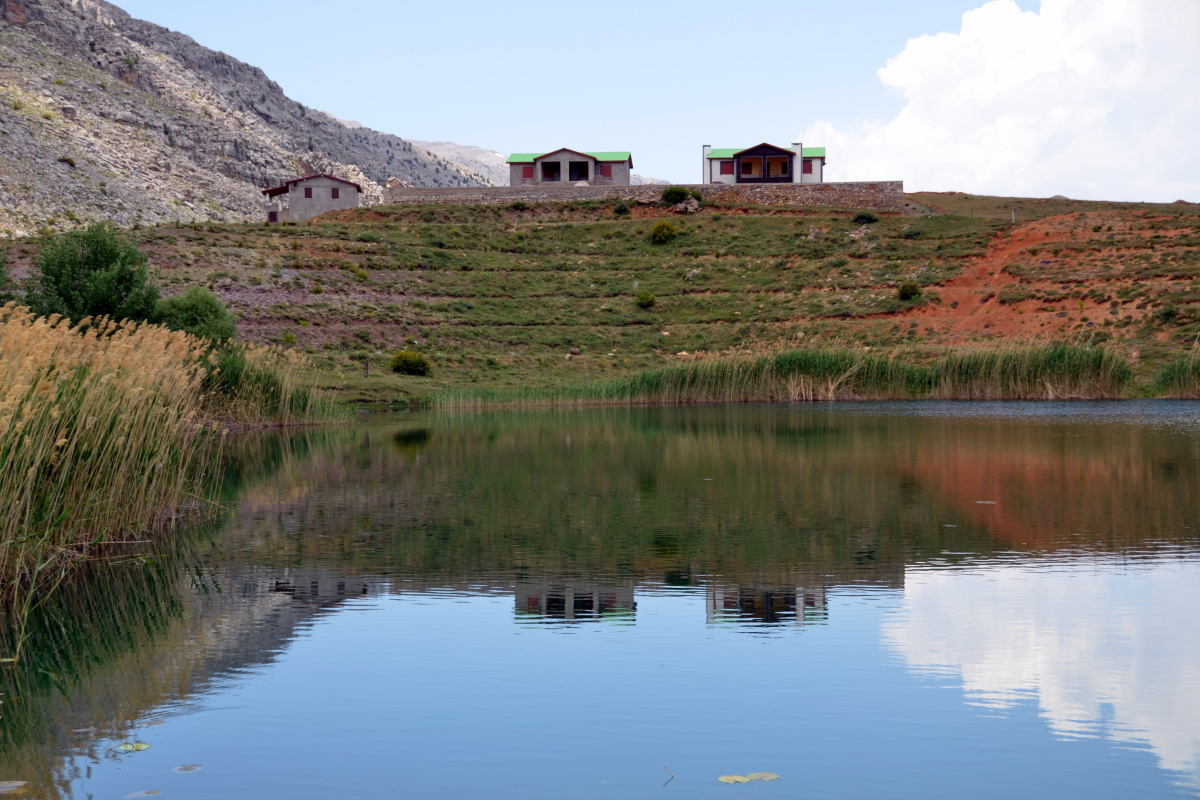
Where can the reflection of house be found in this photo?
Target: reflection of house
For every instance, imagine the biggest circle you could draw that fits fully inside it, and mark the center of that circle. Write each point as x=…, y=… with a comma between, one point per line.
x=798, y=604
x=764, y=163
x=309, y=196
x=574, y=601
x=565, y=167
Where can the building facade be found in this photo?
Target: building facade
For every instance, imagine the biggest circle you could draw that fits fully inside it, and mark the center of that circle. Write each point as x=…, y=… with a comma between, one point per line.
x=764, y=163
x=565, y=167
x=304, y=198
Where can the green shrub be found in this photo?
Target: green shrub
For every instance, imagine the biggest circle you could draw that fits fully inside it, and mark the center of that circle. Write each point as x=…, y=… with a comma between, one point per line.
x=673, y=195
x=908, y=290
x=518, y=205
x=621, y=209
x=645, y=299
x=197, y=311
x=410, y=362
x=865, y=218
x=663, y=232
x=5, y=294
x=92, y=272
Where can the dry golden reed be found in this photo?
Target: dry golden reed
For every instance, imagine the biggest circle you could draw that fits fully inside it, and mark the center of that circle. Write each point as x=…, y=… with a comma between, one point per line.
x=100, y=429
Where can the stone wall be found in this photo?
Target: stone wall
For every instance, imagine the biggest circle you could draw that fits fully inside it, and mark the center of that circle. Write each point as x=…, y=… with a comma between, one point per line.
x=875, y=195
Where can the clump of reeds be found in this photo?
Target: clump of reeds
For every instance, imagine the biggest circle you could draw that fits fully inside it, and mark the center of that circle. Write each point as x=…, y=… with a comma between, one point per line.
x=1016, y=373
x=100, y=425
x=1179, y=379
x=255, y=384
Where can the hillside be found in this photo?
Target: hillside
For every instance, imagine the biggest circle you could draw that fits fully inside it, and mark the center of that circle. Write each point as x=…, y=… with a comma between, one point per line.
x=106, y=116
x=502, y=296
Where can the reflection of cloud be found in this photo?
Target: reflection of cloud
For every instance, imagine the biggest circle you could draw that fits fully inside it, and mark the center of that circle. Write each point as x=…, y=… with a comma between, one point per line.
x=1105, y=652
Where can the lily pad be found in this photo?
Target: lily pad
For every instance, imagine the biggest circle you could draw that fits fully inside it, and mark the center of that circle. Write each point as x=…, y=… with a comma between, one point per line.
x=132, y=747
x=733, y=779
x=146, y=793
x=188, y=768
x=763, y=776
x=8, y=787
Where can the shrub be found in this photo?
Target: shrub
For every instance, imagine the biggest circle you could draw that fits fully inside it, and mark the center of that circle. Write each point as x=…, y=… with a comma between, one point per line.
x=410, y=362
x=908, y=290
x=645, y=300
x=5, y=294
x=199, y=312
x=518, y=205
x=93, y=272
x=865, y=218
x=621, y=209
x=663, y=232
x=673, y=195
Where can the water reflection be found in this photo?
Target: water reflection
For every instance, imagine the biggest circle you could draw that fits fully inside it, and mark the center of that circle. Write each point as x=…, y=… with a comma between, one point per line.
x=1045, y=560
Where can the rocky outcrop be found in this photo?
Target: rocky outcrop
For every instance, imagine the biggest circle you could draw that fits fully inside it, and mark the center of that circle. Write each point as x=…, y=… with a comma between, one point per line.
x=106, y=116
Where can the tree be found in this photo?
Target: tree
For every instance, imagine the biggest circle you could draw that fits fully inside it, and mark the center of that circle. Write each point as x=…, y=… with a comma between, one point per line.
x=92, y=272
x=5, y=294
x=197, y=311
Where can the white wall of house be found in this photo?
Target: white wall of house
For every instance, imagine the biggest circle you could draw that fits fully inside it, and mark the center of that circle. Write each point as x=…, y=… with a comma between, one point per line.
x=301, y=208
x=818, y=170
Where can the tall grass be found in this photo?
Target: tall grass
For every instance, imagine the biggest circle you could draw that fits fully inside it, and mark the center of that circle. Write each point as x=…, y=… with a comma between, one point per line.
x=100, y=433
x=1018, y=373
x=1179, y=378
x=108, y=430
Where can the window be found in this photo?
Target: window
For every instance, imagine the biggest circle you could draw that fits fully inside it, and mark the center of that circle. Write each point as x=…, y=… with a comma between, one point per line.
x=335, y=193
x=777, y=166
x=526, y=173
x=578, y=171
x=272, y=216
x=752, y=167
x=606, y=170
x=551, y=171
x=308, y=193
x=807, y=170
x=726, y=167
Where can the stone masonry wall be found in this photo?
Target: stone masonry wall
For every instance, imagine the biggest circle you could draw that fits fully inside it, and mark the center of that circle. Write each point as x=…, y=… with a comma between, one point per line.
x=875, y=195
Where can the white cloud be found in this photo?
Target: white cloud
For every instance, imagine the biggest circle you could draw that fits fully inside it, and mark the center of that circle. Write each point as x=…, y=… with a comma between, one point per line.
x=1095, y=99
x=1104, y=652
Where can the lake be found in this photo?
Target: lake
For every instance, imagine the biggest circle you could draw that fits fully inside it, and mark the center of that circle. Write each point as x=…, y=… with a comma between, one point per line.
x=925, y=600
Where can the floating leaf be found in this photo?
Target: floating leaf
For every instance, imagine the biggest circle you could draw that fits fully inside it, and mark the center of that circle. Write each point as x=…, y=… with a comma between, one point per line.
x=147, y=793
x=763, y=776
x=8, y=787
x=733, y=779
x=135, y=747
x=188, y=768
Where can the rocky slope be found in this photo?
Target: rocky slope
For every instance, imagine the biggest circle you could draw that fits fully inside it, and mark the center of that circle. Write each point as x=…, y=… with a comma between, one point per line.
x=106, y=116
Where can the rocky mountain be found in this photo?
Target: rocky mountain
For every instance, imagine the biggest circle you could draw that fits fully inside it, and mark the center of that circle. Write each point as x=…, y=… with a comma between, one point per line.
x=106, y=116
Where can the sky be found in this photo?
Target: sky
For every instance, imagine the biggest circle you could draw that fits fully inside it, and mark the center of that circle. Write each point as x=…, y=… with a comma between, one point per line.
x=1094, y=99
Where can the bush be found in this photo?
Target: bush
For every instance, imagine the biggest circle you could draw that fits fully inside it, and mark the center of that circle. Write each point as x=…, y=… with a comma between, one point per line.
x=645, y=300
x=518, y=205
x=673, y=195
x=663, y=232
x=410, y=362
x=93, y=272
x=5, y=294
x=621, y=209
x=197, y=311
x=865, y=218
x=908, y=290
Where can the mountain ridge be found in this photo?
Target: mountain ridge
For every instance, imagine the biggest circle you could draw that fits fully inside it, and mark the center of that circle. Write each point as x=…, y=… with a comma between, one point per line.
x=104, y=116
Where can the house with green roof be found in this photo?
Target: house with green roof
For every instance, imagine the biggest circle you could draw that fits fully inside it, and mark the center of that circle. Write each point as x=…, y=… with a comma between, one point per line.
x=764, y=163
x=566, y=167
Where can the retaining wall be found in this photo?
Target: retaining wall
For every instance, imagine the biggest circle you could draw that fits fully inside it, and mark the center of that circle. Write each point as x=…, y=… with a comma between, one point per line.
x=874, y=195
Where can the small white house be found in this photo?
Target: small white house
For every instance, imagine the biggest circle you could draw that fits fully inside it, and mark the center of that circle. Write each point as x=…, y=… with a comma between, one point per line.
x=764, y=163
x=304, y=198
x=566, y=167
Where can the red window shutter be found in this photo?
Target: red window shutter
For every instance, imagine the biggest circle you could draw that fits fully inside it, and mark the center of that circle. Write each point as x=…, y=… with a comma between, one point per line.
x=726, y=167
x=606, y=170
x=308, y=193
x=337, y=194
x=808, y=166
x=527, y=173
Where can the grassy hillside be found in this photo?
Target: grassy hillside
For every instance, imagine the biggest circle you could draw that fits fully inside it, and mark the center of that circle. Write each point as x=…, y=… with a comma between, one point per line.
x=501, y=297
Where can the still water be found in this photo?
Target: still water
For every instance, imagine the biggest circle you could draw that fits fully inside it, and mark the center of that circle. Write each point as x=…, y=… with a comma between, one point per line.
x=896, y=600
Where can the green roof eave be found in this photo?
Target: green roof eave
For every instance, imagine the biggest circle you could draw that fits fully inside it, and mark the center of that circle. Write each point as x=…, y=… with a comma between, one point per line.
x=522, y=158
x=730, y=152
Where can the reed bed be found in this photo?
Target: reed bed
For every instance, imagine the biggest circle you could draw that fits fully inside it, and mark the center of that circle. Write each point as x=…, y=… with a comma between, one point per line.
x=1179, y=379
x=108, y=430
x=1017, y=373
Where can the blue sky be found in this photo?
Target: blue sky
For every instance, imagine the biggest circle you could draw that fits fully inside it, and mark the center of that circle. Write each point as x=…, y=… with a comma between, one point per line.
x=663, y=78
